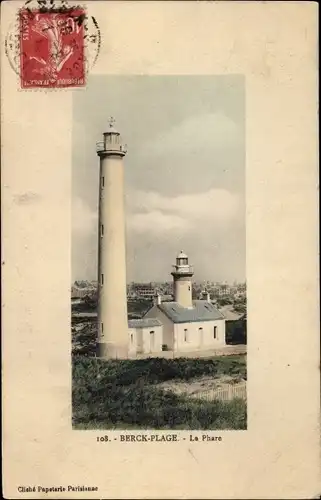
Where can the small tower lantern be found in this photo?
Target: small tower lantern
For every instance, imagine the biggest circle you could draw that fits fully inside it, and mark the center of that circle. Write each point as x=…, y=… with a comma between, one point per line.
x=182, y=274
x=112, y=143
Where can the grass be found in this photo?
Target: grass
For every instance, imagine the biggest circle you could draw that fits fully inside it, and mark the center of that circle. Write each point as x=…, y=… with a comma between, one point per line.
x=124, y=394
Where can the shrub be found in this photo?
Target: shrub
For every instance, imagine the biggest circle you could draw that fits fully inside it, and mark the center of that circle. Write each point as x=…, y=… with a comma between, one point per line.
x=113, y=393
x=155, y=370
x=236, y=332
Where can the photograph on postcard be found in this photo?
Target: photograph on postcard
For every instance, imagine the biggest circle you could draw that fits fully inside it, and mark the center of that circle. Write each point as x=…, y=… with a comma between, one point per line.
x=158, y=293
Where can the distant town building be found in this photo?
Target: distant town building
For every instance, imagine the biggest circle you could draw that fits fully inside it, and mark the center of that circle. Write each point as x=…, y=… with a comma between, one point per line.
x=81, y=291
x=145, y=290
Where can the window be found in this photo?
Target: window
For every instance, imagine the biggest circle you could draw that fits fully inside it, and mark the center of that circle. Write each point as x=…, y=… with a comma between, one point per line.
x=102, y=230
x=151, y=341
x=102, y=279
x=215, y=332
x=103, y=181
x=185, y=335
x=189, y=288
x=102, y=329
x=131, y=338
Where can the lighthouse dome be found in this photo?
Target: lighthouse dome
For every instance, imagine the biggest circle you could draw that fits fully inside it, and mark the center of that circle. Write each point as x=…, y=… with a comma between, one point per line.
x=182, y=260
x=111, y=127
x=182, y=255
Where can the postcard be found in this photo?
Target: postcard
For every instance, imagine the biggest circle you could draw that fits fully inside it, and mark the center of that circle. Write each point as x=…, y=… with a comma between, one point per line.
x=160, y=250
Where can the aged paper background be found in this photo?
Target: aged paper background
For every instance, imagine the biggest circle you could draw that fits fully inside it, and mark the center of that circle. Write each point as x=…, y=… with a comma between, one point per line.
x=274, y=46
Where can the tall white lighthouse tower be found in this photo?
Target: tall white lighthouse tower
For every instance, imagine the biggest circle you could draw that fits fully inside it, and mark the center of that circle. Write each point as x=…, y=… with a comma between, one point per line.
x=182, y=274
x=112, y=339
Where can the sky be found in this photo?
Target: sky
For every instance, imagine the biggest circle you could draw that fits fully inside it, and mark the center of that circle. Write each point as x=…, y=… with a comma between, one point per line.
x=184, y=173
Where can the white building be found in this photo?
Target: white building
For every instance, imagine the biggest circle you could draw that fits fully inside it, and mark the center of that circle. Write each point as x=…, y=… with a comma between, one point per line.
x=145, y=336
x=181, y=325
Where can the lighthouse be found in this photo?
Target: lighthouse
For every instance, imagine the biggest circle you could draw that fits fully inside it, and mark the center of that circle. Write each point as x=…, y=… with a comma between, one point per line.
x=112, y=339
x=182, y=274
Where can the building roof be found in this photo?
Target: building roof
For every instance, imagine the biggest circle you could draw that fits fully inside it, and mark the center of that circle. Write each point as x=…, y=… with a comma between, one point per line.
x=143, y=323
x=230, y=314
x=202, y=311
x=182, y=255
x=167, y=297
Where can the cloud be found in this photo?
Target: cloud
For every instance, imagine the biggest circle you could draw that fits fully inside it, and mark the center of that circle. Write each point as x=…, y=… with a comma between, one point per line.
x=184, y=175
x=150, y=211
x=198, y=154
x=156, y=222
x=200, y=133
x=205, y=224
x=84, y=219
x=153, y=212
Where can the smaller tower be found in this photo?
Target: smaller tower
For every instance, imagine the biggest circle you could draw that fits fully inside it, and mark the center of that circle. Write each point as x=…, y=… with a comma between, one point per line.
x=182, y=274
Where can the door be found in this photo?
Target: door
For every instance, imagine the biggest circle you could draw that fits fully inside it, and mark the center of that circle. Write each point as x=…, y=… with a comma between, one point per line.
x=151, y=341
x=139, y=341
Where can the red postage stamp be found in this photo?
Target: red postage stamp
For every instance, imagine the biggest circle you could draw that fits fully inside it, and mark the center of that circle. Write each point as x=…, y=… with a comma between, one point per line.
x=52, y=48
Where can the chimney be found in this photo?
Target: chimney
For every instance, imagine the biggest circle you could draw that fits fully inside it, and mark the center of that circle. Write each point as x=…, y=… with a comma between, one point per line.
x=206, y=296
x=157, y=299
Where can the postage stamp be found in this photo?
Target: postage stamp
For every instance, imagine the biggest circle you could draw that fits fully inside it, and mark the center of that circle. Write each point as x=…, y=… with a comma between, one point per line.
x=52, y=48
x=52, y=45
